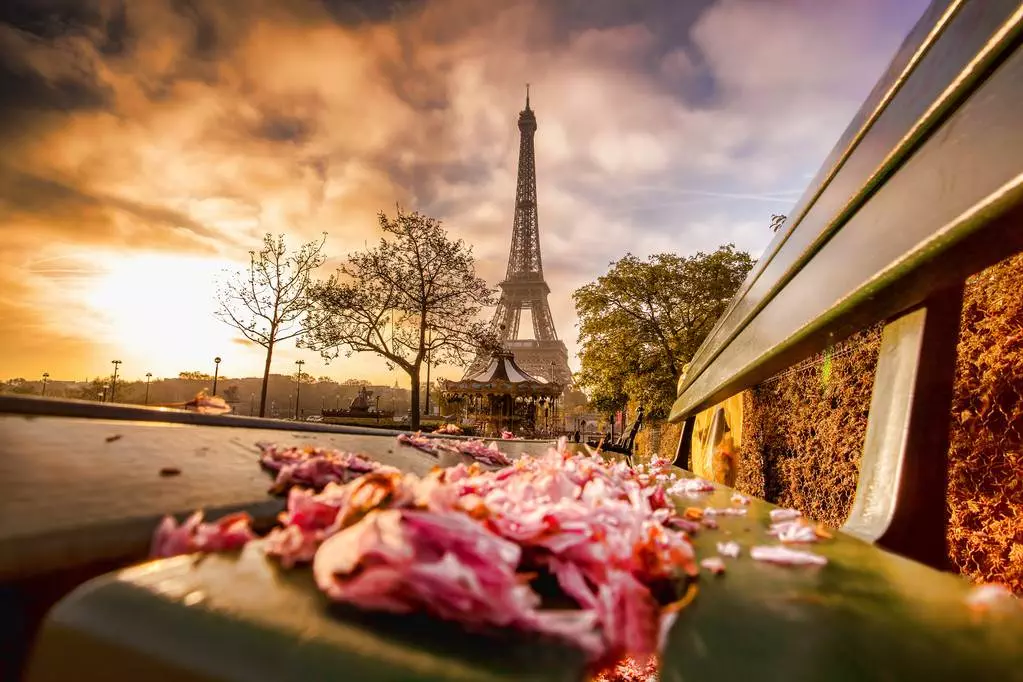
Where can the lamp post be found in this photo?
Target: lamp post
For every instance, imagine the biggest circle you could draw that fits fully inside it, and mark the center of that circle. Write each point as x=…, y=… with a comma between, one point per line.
x=216, y=373
x=298, y=389
x=429, y=340
x=113, y=379
x=149, y=376
x=551, y=408
x=46, y=377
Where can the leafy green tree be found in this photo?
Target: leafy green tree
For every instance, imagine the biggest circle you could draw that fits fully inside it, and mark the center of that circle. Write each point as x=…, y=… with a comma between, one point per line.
x=415, y=295
x=643, y=320
x=268, y=301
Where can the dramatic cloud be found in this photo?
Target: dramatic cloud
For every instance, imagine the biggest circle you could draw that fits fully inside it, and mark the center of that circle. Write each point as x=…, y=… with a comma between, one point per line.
x=148, y=145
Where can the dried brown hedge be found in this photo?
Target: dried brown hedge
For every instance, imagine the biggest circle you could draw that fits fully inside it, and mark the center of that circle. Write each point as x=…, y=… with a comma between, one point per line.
x=985, y=493
x=804, y=431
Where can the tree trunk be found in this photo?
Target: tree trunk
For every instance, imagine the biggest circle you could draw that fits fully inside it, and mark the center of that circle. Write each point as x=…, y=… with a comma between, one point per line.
x=414, y=400
x=266, y=380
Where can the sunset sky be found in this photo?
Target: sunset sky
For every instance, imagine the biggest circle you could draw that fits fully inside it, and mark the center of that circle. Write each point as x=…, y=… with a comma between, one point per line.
x=148, y=145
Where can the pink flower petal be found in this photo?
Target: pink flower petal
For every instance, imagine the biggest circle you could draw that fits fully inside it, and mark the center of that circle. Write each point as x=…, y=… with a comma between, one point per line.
x=729, y=549
x=713, y=564
x=992, y=597
x=724, y=511
x=230, y=532
x=776, y=554
x=785, y=514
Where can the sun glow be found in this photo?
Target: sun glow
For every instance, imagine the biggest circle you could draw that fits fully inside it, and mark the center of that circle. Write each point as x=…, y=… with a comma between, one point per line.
x=155, y=312
x=158, y=311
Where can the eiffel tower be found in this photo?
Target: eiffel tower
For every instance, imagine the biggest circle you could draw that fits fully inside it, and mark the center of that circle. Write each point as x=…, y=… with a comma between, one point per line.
x=524, y=287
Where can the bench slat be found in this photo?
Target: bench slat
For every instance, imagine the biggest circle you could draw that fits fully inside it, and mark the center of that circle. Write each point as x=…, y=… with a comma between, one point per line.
x=75, y=491
x=868, y=615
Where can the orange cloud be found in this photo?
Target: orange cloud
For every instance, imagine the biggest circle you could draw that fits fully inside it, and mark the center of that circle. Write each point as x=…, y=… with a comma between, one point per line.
x=149, y=144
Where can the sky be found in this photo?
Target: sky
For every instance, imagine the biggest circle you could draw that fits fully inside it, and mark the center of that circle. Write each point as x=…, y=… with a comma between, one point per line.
x=147, y=146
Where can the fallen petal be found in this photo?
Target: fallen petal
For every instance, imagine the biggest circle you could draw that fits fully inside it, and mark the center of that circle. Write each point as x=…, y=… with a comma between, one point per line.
x=777, y=554
x=785, y=514
x=713, y=564
x=729, y=549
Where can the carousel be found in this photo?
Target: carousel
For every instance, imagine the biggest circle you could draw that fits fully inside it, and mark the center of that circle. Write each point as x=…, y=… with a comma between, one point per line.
x=504, y=398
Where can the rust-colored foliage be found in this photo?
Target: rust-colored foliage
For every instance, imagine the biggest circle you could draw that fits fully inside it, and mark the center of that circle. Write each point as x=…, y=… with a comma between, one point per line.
x=986, y=454
x=804, y=431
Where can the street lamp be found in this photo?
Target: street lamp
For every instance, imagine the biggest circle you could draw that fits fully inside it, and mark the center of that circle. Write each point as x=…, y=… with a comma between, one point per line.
x=216, y=373
x=149, y=376
x=113, y=380
x=46, y=377
x=429, y=340
x=298, y=390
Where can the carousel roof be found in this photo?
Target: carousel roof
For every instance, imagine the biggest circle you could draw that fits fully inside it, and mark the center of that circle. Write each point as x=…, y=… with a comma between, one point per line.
x=503, y=376
x=503, y=367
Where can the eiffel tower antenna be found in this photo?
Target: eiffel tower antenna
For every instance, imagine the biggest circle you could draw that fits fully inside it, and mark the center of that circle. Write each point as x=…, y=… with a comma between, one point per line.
x=524, y=286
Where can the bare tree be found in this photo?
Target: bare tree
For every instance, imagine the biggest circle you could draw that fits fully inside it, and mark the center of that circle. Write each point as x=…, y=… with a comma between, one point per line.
x=267, y=301
x=414, y=298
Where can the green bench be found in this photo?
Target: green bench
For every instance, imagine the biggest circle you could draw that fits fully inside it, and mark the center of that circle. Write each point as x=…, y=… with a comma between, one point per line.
x=924, y=189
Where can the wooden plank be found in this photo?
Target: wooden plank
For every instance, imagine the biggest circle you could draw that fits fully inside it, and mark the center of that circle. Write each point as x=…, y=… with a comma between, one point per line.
x=953, y=208
x=868, y=615
x=901, y=497
x=87, y=409
x=935, y=88
x=76, y=491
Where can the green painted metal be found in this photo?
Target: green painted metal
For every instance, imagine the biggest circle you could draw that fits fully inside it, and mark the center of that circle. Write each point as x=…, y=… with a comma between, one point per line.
x=868, y=615
x=244, y=618
x=926, y=160
x=901, y=498
x=107, y=474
